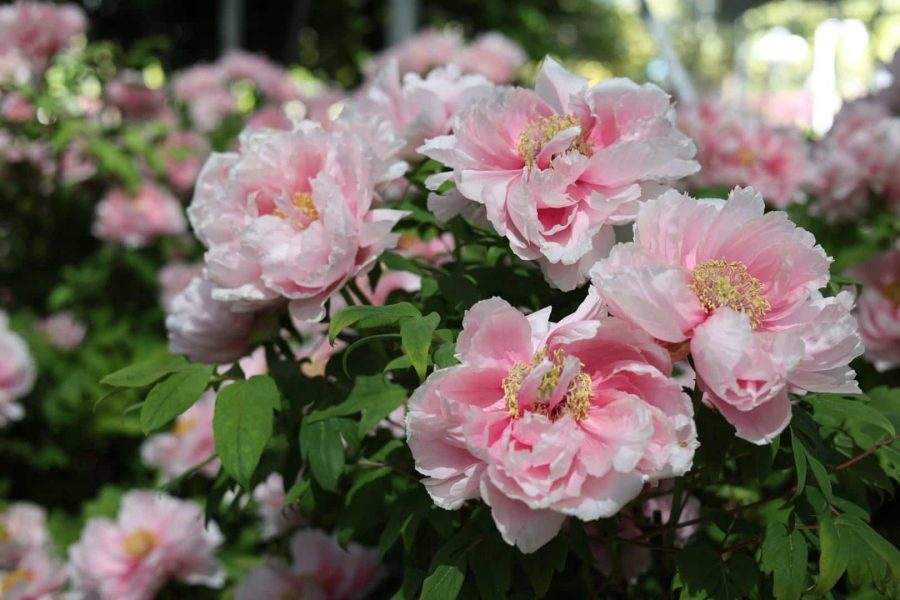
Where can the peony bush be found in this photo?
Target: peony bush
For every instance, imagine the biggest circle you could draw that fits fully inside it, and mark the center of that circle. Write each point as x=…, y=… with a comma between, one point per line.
x=452, y=334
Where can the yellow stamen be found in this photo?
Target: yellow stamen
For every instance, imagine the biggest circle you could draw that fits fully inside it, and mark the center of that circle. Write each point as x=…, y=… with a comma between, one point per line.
x=303, y=202
x=184, y=426
x=14, y=578
x=577, y=399
x=746, y=157
x=718, y=283
x=891, y=291
x=139, y=543
x=537, y=133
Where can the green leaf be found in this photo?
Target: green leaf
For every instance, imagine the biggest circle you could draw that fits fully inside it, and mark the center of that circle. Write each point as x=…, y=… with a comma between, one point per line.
x=296, y=492
x=373, y=395
x=850, y=410
x=174, y=395
x=834, y=553
x=784, y=555
x=398, y=364
x=886, y=552
x=145, y=373
x=821, y=475
x=366, y=317
x=445, y=355
x=540, y=566
x=799, y=461
x=322, y=447
x=446, y=580
x=415, y=337
x=704, y=575
x=490, y=562
x=242, y=424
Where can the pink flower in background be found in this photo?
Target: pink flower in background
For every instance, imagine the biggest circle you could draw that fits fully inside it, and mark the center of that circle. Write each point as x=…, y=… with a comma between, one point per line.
x=37, y=576
x=174, y=277
x=878, y=309
x=419, y=108
x=737, y=149
x=290, y=218
x=270, y=117
x=740, y=288
x=271, y=79
x=420, y=53
x=156, y=538
x=438, y=250
x=207, y=330
x=320, y=569
x=495, y=56
x=16, y=108
x=275, y=516
x=544, y=421
x=38, y=30
x=204, y=89
x=184, y=153
x=24, y=527
x=188, y=444
x=14, y=68
x=135, y=221
x=635, y=560
x=63, y=330
x=76, y=164
x=555, y=168
x=130, y=94
x=17, y=372
x=658, y=510
x=388, y=283
x=321, y=106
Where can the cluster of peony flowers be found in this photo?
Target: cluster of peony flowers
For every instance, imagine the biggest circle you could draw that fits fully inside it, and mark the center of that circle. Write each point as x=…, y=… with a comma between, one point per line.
x=136, y=220
x=737, y=149
x=17, y=372
x=32, y=32
x=878, y=308
x=156, y=538
x=63, y=330
x=29, y=570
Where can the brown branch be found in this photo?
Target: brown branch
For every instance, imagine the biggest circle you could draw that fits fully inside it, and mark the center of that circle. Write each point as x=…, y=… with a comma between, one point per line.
x=865, y=453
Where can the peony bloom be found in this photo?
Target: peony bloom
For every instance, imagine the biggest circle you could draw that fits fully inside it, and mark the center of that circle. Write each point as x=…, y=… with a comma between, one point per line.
x=14, y=68
x=420, y=53
x=737, y=149
x=321, y=569
x=173, y=278
x=205, y=91
x=37, y=576
x=184, y=153
x=556, y=167
x=76, y=164
x=38, y=30
x=269, y=117
x=739, y=290
x=419, y=108
x=324, y=105
x=878, y=309
x=290, y=218
x=16, y=108
x=23, y=527
x=130, y=94
x=135, y=221
x=188, y=444
x=17, y=372
x=271, y=79
x=438, y=250
x=544, y=421
x=63, y=330
x=156, y=538
x=207, y=330
x=495, y=56
x=275, y=516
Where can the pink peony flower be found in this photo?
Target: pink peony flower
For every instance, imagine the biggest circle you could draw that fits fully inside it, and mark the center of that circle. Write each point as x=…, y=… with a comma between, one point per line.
x=271, y=79
x=735, y=148
x=545, y=421
x=659, y=510
x=184, y=153
x=275, y=516
x=321, y=106
x=204, y=89
x=37, y=576
x=420, y=53
x=63, y=330
x=76, y=164
x=156, y=538
x=189, y=443
x=14, y=68
x=438, y=250
x=23, y=527
x=38, y=30
x=419, y=108
x=173, y=278
x=270, y=117
x=495, y=56
x=739, y=289
x=207, y=330
x=556, y=167
x=878, y=309
x=135, y=221
x=321, y=569
x=290, y=218
x=129, y=94
x=17, y=372
x=16, y=108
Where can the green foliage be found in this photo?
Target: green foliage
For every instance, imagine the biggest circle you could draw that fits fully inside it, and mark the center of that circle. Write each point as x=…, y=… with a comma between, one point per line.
x=174, y=395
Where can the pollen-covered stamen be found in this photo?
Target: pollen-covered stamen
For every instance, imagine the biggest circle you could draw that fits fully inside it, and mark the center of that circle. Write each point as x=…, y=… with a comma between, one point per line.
x=550, y=401
x=12, y=579
x=891, y=291
x=139, y=543
x=719, y=283
x=303, y=202
x=184, y=426
x=537, y=133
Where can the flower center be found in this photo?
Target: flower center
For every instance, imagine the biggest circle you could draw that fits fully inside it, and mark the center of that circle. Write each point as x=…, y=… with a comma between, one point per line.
x=746, y=157
x=718, y=283
x=303, y=202
x=576, y=399
x=183, y=426
x=537, y=133
x=14, y=578
x=891, y=291
x=139, y=543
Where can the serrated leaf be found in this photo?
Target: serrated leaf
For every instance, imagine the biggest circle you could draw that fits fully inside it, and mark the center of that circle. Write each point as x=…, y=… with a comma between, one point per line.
x=784, y=555
x=174, y=395
x=242, y=424
x=415, y=337
x=322, y=447
x=370, y=316
x=145, y=373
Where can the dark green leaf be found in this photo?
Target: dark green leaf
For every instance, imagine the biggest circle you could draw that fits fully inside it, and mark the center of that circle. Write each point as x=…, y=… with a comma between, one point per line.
x=834, y=554
x=415, y=336
x=242, y=424
x=370, y=316
x=322, y=447
x=446, y=580
x=540, y=565
x=145, y=373
x=373, y=395
x=784, y=555
x=490, y=561
x=174, y=395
